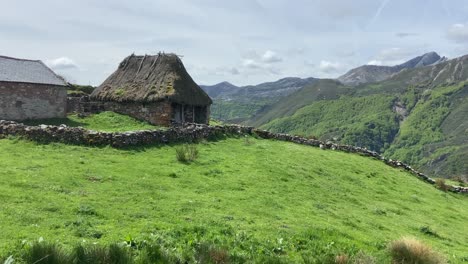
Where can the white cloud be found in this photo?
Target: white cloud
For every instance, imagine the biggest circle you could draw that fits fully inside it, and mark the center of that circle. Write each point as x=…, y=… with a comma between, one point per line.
x=257, y=63
x=458, y=33
x=375, y=62
x=330, y=67
x=62, y=63
x=391, y=56
x=271, y=57
x=251, y=64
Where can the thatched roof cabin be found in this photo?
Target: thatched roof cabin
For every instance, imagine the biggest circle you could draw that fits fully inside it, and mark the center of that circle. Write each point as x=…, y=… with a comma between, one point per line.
x=151, y=78
x=154, y=81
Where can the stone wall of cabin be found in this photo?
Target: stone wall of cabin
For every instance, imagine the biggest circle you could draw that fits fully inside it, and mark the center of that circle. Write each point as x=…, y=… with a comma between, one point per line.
x=21, y=101
x=157, y=113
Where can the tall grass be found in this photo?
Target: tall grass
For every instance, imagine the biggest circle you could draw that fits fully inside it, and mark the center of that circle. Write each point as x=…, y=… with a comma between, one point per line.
x=95, y=254
x=411, y=251
x=46, y=253
x=186, y=153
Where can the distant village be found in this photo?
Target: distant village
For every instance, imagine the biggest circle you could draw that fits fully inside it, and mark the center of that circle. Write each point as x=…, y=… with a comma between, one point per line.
x=153, y=88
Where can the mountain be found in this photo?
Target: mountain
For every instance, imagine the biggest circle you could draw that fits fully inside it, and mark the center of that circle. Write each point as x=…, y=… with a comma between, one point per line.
x=220, y=90
x=374, y=73
x=282, y=87
x=235, y=104
x=325, y=89
x=417, y=115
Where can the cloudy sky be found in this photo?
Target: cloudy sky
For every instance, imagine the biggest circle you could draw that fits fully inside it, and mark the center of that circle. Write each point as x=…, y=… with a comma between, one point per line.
x=241, y=41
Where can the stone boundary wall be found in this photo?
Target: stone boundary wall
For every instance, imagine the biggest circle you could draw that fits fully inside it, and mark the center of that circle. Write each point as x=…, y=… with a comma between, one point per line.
x=185, y=133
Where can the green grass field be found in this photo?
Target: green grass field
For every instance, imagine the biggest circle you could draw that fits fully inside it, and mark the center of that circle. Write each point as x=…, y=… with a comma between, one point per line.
x=253, y=197
x=105, y=121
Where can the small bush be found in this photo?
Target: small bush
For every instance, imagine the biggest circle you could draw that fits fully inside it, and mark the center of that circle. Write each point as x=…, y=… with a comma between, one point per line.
x=187, y=153
x=412, y=251
x=46, y=253
x=461, y=179
x=441, y=185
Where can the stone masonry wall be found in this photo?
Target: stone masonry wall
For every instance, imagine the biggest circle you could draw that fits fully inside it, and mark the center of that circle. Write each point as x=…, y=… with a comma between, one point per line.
x=186, y=133
x=21, y=101
x=157, y=113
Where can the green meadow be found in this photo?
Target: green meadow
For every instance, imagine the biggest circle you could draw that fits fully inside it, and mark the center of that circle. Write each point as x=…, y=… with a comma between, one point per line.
x=254, y=198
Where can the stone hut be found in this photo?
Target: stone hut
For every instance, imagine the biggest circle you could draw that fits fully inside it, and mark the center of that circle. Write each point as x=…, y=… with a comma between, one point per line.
x=30, y=90
x=154, y=88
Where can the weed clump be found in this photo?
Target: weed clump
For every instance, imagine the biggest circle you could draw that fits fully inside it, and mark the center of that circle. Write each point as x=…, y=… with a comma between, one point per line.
x=410, y=250
x=428, y=231
x=210, y=254
x=186, y=153
x=441, y=185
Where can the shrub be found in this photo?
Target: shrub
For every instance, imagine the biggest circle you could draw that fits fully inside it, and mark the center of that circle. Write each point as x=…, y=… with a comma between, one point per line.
x=187, y=153
x=441, y=185
x=46, y=253
x=461, y=179
x=412, y=251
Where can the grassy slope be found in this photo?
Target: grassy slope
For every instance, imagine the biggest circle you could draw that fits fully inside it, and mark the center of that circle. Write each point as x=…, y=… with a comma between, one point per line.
x=105, y=121
x=252, y=196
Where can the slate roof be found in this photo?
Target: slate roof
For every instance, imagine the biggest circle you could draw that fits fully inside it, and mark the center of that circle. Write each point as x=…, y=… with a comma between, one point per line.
x=27, y=71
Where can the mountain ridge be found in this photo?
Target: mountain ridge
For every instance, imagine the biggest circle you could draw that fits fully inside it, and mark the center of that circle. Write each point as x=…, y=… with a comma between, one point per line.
x=375, y=73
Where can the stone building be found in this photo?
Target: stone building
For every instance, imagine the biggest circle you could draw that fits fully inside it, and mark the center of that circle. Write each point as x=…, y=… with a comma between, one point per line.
x=30, y=90
x=155, y=88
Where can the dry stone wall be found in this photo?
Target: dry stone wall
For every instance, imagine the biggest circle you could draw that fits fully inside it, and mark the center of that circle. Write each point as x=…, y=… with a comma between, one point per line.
x=185, y=133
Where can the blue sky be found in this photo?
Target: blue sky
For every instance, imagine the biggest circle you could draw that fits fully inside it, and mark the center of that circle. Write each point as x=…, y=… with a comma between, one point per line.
x=242, y=41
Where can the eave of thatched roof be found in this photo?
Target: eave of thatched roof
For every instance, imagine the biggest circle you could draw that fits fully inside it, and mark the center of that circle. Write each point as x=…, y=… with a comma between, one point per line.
x=150, y=79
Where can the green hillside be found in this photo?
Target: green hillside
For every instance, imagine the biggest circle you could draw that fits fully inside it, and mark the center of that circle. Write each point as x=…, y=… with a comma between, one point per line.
x=432, y=135
x=361, y=121
x=435, y=134
x=255, y=198
x=417, y=116
x=320, y=90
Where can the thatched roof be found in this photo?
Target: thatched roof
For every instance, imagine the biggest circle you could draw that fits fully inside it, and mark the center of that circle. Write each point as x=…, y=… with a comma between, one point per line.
x=150, y=79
